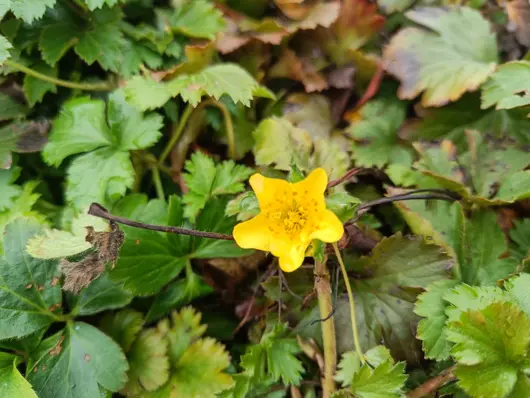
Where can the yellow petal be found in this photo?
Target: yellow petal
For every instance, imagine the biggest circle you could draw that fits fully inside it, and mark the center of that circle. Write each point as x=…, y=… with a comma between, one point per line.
x=329, y=228
x=253, y=234
x=315, y=183
x=293, y=258
x=268, y=190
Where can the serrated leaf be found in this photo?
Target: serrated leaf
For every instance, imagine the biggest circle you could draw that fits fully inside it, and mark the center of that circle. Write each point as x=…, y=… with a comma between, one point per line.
x=100, y=41
x=149, y=363
x=491, y=346
x=77, y=361
x=447, y=62
x=205, y=180
x=431, y=330
x=100, y=295
x=343, y=205
x=380, y=379
x=12, y=383
x=517, y=287
x=213, y=81
x=376, y=129
x=22, y=206
x=29, y=10
x=199, y=372
x=34, y=88
x=29, y=288
x=123, y=327
x=56, y=243
x=9, y=190
x=278, y=142
x=505, y=89
x=149, y=260
x=5, y=46
x=93, y=4
x=84, y=126
x=199, y=19
x=244, y=206
x=111, y=173
x=385, y=298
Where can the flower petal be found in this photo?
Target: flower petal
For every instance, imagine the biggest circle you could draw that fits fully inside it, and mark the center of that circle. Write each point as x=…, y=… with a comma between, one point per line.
x=268, y=190
x=315, y=183
x=293, y=258
x=329, y=228
x=253, y=234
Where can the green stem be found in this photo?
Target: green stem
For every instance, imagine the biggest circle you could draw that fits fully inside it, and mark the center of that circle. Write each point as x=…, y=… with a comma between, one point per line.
x=323, y=288
x=177, y=133
x=59, y=82
x=158, y=183
x=229, y=126
x=356, y=340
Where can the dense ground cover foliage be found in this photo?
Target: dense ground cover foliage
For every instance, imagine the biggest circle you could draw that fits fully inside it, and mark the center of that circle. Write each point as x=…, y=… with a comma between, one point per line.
x=129, y=132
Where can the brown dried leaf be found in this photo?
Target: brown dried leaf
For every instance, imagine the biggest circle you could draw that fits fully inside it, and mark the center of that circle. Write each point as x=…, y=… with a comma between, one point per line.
x=107, y=244
x=79, y=274
x=290, y=66
x=519, y=14
x=322, y=14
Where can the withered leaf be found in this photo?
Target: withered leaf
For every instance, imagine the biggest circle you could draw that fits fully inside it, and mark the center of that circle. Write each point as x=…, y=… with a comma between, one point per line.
x=79, y=274
x=107, y=244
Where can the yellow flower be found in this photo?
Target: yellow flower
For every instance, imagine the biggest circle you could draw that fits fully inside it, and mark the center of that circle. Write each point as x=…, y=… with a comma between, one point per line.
x=291, y=216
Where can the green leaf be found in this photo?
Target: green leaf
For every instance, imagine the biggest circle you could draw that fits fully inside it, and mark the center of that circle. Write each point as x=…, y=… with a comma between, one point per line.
x=11, y=109
x=205, y=180
x=5, y=46
x=177, y=294
x=149, y=260
x=380, y=379
x=123, y=327
x=56, y=243
x=213, y=81
x=385, y=295
x=29, y=288
x=199, y=19
x=111, y=173
x=343, y=205
x=149, y=363
x=504, y=89
x=200, y=371
x=517, y=287
x=278, y=142
x=93, y=4
x=446, y=60
x=100, y=41
x=244, y=206
x=29, y=10
x=34, y=88
x=431, y=329
x=491, y=347
x=12, y=383
x=9, y=190
x=22, y=206
x=80, y=127
x=100, y=295
x=77, y=362
x=83, y=127
x=485, y=245
x=376, y=131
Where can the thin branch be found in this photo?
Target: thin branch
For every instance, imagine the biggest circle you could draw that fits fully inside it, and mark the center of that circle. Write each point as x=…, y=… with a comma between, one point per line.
x=97, y=210
x=350, y=173
x=436, y=194
x=433, y=384
x=105, y=86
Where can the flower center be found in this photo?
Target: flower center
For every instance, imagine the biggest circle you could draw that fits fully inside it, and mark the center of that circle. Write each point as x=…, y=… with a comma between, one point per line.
x=290, y=218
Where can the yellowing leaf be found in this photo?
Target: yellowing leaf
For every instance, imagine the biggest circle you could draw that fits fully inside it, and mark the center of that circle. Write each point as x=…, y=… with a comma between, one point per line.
x=457, y=57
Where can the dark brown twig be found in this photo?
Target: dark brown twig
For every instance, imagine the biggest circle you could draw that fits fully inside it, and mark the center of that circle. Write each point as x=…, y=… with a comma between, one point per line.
x=97, y=210
x=350, y=173
x=433, y=384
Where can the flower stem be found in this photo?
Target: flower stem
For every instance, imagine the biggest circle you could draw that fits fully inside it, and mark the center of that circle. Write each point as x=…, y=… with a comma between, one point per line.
x=105, y=86
x=352, y=306
x=177, y=133
x=323, y=288
x=158, y=183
